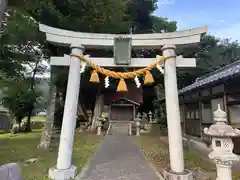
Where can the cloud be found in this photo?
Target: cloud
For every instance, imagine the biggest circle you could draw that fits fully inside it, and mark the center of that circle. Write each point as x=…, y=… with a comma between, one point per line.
x=164, y=2
x=222, y=19
x=220, y=28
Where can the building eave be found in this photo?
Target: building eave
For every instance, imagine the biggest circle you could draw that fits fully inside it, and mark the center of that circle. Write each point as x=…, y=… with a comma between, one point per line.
x=222, y=74
x=128, y=100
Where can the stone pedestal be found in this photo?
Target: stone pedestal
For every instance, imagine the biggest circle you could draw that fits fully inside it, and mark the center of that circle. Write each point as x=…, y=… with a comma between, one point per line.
x=62, y=174
x=137, y=128
x=150, y=114
x=224, y=171
x=130, y=129
x=149, y=127
x=170, y=175
x=99, y=128
x=99, y=124
x=137, y=121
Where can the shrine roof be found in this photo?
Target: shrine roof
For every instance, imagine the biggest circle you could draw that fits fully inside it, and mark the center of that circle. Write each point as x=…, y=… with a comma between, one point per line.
x=221, y=74
x=125, y=99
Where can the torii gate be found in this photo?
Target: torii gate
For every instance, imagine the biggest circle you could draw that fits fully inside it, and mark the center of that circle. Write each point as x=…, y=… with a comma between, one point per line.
x=78, y=41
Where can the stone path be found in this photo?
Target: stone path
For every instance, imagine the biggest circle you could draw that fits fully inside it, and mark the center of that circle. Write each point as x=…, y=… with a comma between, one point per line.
x=118, y=158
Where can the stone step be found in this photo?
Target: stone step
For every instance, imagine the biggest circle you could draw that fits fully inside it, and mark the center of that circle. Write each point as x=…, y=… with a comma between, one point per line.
x=119, y=127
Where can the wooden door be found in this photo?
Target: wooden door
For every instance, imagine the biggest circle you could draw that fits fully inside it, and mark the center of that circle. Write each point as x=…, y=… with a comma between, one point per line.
x=192, y=120
x=121, y=113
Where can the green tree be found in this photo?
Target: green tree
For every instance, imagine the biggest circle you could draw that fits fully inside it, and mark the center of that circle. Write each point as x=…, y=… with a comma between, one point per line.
x=18, y=100
x=17, y=43
x=21, y=54
x=79, y=15
x=211, y=53
x=139, y=13
x=161, y=24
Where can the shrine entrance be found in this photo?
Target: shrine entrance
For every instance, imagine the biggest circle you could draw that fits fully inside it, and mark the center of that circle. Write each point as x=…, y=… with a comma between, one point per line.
x=123, y=110
x=122, y=45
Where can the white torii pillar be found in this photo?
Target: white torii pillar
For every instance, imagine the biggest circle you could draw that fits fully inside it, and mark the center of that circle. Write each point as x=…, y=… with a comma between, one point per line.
x=64, y=168
x=176, y=171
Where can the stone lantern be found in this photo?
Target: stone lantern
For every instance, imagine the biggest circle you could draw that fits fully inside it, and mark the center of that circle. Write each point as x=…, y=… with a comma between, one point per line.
x=99, y=124
x=138, y=120
x=150, y=116
x=222, y=145
x=90, y=114
x=130, y=128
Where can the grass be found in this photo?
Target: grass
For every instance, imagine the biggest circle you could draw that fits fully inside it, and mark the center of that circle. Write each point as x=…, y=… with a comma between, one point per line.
x=23, y=146
x=36, y=119
x=36, y=123
x=155, y=148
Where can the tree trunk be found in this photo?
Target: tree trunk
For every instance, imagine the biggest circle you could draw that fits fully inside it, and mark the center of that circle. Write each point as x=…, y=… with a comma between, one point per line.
x=97, y=110
x=90, y=118
x=28, y=126
x=32, y=88
x=19, y=120
x=48, y=126
x=3, y=8
x=159, y=91
x=59, y=109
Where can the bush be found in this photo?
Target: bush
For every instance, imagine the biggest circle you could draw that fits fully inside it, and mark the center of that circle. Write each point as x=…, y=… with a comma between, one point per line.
x=37, y=125
x=15, y=128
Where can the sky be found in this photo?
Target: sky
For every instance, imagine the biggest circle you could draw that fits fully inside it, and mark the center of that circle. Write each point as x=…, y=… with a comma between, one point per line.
x=221, y=16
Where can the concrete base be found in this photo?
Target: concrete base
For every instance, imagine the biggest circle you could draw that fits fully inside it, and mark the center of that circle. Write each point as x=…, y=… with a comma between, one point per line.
x=170, y=175
x=62, y=174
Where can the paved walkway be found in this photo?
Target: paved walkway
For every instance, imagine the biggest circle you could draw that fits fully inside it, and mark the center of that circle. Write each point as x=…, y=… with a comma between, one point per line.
x=118, y=158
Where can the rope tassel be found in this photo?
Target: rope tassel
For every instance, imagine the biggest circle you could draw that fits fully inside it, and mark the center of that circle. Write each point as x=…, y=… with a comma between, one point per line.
x=94, y=77
x=122, y=86
x=148, y=78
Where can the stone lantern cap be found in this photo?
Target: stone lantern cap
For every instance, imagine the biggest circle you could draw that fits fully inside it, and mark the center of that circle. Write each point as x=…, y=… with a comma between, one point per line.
x=89, y=113
x=226, y=158
x=100, y=120
x=138, y=118
x=220, y=128
x=219, y=115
